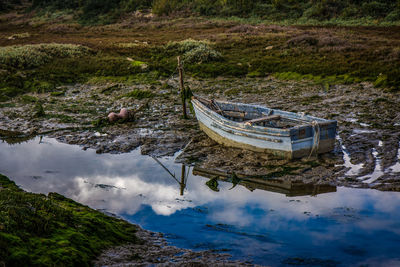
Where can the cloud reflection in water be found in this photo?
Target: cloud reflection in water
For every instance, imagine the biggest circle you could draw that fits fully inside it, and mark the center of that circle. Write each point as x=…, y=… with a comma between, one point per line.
x=263, y=224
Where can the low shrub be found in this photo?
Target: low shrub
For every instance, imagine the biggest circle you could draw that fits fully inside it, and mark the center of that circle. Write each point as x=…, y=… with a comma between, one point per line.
x=164, y=7
x=195, y=51
x=29, y=56
x=375, y=9
x=394, y=15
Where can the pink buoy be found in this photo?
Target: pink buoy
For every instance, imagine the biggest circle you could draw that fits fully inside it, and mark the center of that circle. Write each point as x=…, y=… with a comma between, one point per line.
x=112, y=117
x=123, y=114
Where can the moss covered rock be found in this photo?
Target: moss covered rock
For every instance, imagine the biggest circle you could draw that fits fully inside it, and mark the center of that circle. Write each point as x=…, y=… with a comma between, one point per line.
x=40, y=230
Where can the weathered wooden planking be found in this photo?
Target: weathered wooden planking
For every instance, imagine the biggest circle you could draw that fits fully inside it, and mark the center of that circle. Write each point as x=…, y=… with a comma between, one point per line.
x=263, y=119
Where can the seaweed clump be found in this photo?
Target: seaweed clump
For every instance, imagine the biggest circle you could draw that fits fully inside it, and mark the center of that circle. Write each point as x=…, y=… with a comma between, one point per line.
x=40, y=230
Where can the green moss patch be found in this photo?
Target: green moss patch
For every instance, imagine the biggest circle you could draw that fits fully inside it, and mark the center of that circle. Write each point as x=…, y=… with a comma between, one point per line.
x=40, y=230
x=26, y=99
x=58, y=93
x=139, y=94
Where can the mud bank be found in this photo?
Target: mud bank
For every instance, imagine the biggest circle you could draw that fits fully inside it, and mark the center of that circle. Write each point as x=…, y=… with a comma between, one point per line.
x=366, y=153
x=156, y=251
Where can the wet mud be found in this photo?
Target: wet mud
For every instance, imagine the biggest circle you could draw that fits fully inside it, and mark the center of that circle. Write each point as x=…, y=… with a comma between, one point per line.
x=154, y=251
x=366, y=153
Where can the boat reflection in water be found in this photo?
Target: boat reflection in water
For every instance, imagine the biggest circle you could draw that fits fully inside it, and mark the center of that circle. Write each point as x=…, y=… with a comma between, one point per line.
x=282, y=186
x=289, y=188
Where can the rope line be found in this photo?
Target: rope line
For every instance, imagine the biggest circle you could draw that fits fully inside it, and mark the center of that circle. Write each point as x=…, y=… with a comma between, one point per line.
x=316, y=138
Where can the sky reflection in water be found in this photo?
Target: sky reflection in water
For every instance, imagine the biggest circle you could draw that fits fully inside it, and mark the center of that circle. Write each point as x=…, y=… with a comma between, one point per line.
x=350, y=226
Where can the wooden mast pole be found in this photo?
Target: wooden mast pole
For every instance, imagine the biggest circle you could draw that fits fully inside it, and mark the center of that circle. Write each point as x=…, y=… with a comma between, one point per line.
x=180, y=69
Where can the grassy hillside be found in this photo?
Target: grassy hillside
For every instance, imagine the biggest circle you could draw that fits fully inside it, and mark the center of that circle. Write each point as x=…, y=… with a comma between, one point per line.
x=45, y=54
x=287, y=9
x=145, y=53
x=92, y=11
x=292, y=11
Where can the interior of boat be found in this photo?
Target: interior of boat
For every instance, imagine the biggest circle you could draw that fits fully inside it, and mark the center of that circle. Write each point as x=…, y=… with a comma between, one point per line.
x=250, y=115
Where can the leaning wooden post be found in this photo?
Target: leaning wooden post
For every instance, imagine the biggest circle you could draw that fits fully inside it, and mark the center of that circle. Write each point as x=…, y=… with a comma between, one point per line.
x=183, y=96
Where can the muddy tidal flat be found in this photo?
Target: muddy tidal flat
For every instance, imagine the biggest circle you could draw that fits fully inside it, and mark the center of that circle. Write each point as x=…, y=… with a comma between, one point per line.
x=199, y=203
x=366, y=154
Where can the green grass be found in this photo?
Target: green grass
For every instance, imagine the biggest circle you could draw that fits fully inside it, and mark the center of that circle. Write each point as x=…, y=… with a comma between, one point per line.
x=40, y=230
x=137, y=63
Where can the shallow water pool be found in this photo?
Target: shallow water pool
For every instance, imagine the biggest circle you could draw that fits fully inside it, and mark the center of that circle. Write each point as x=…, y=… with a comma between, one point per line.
x=346, y=227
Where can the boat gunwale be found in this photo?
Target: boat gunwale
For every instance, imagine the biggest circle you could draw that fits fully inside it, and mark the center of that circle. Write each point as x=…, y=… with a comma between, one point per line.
x=307, y=118
x=212, y=114
x=262, y=130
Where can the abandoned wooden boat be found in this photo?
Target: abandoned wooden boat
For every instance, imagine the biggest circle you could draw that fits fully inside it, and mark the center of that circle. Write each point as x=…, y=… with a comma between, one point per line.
x=262, y=129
